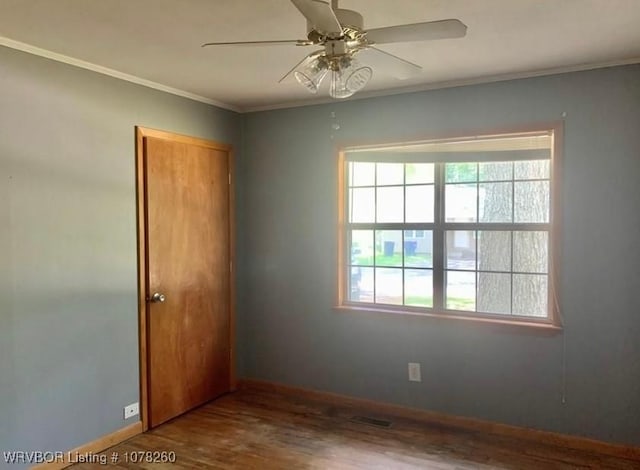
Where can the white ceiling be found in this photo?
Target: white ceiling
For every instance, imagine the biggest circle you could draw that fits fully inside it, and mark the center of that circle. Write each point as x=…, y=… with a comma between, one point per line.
x=159, y=41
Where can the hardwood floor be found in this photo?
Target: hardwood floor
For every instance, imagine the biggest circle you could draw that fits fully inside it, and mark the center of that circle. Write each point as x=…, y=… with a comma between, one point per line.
x=264, y=430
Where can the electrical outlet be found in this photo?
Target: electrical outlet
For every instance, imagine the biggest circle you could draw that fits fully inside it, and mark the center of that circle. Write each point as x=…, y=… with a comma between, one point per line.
x=414, y=372
x=131, y=410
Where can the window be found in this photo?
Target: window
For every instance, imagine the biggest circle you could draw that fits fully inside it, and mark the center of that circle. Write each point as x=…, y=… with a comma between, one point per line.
x=414, y=234
x=458, y=227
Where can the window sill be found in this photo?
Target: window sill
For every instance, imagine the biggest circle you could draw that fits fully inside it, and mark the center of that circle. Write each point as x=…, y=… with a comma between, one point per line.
x=537, y=327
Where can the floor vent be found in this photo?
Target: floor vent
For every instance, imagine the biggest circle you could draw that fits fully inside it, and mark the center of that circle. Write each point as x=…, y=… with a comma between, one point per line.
x=379, y=423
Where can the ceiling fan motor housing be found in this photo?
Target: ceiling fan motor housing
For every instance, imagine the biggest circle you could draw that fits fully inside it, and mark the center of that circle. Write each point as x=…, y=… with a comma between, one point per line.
x=351, y=21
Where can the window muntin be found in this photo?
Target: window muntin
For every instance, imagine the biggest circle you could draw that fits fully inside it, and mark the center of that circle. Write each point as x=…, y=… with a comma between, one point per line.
x=445, y=233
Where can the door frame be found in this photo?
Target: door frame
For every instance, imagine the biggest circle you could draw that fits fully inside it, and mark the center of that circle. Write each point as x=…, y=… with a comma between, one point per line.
x=141, y=213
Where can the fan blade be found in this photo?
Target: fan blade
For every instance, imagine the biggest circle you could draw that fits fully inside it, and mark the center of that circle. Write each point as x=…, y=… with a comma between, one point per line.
x=384, y=62
x=308, y=58
x=443, y=29
x=320, y=14
x=286, y=42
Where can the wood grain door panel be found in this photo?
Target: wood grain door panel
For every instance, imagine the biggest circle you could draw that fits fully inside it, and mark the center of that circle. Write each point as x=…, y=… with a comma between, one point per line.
x=188, y=260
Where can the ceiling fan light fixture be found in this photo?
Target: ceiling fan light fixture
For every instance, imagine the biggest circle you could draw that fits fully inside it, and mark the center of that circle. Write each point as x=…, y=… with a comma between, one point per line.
x=357, y=76
x=338, y=86
x=348, y=78
x=311, y=75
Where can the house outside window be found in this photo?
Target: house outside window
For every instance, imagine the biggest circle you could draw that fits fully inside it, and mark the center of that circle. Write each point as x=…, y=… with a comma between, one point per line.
x=461, y=227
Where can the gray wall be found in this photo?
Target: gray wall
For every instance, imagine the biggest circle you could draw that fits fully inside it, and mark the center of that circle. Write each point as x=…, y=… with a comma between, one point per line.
x=289, y=332
x=68, y=300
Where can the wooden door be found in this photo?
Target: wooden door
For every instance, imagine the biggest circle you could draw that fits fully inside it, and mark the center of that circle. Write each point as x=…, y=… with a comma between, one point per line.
x=188, y=265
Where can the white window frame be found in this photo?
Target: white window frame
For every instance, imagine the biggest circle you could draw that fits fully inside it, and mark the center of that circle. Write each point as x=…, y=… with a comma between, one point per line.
x=439, y=228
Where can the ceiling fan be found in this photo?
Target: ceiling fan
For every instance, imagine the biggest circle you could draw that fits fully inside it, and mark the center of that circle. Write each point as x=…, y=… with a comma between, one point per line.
x=342, y=36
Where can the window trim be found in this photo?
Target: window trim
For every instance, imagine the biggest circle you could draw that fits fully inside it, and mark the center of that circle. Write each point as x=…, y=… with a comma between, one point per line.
x=552, y=323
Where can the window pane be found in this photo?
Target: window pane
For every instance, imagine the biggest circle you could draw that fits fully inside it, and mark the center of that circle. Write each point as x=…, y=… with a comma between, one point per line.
x=388, y=248
x=494, y=251
x=361, y=284
x=530, y=170
x=362, y=205
x=418, y=248
x=530, y=295
x=461, y=249
x=418, y=287
x=496, y=171
x=419, y=173
x=461, y=172
x=390, y=173
x=530, y=252
x=460, y=202
x=460, y=291
x=389, y=286
x=494, y=293
x=532, y=202
x=362, y=174
x=362, y=247
x=390, y=204
x=495, y=202
x=419, y=203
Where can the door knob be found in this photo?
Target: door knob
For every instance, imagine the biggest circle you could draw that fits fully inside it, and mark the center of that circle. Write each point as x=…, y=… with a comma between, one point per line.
x=157, y=297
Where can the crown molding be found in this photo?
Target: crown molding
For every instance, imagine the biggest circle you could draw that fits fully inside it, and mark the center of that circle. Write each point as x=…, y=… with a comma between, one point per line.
x=28, y=48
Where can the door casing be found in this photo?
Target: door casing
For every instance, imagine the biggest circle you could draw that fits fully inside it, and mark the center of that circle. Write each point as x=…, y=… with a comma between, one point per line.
x=141, y=133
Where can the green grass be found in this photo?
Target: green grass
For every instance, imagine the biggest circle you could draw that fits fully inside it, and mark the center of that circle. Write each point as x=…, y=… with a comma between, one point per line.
x=418, y=301
x=453, y=303
x=458, y=303
x=394, y=260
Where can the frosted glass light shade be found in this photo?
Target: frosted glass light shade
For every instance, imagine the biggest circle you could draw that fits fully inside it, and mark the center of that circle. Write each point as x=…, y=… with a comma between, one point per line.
x=348, y=80
x=310, y=76
x=358, y=77
x=338, y=87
